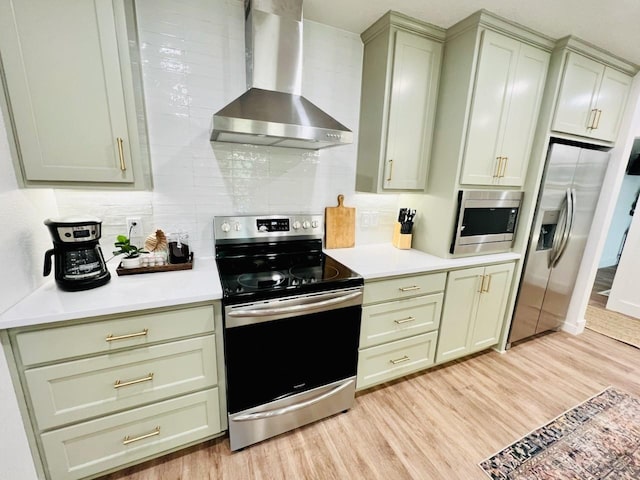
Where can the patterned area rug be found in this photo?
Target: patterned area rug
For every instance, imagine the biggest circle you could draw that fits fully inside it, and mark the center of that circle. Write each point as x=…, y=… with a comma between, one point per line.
x=614, y=325
x=598, y=439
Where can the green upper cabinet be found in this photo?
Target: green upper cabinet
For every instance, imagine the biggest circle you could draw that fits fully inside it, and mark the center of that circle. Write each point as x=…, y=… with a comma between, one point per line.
x=508, y=90
x=70, y=94
x=401, y=70
x=592, y=99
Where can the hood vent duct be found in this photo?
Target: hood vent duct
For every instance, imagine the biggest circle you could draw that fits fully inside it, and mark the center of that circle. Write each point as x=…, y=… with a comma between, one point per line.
x=273, y=111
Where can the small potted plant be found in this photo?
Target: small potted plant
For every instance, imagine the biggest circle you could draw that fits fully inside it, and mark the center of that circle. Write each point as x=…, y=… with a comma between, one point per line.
x=131, y=253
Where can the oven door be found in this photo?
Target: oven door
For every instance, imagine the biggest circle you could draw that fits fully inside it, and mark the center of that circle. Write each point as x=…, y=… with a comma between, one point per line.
x=290, y=361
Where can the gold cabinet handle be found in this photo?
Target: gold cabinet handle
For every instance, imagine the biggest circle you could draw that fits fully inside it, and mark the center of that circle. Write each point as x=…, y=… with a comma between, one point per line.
x=496, y=173
x=596, y=119
x=405, y=320
x=127, y=440
x=390, y=170
x=409, y=289
x=400, y=360
x=481, y=283
x=488, y=278
x=123, y=166
x=504, y=166
x=592, y=119
x=111, y=338
x=119, y=384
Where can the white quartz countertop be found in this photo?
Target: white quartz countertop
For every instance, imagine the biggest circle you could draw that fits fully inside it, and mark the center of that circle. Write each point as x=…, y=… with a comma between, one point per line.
x=127, y=293
x=384, y=260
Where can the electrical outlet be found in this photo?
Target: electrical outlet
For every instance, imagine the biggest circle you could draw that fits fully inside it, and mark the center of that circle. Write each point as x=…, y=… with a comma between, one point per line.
x=134, y=227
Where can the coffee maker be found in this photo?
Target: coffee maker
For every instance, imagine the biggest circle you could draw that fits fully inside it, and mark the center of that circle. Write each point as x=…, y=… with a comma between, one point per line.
x=79, y=264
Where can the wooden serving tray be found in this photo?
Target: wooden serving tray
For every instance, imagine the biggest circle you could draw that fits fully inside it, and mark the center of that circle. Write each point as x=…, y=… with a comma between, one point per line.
x=170, y=267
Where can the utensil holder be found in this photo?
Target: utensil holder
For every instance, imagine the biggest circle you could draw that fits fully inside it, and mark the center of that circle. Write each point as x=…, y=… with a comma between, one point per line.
x=401, y=240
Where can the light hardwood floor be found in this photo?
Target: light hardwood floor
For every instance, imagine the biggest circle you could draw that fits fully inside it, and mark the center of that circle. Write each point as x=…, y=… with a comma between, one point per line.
x=434, y=425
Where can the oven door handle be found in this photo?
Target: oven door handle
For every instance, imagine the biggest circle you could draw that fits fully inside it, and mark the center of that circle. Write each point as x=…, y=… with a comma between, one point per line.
x=307, y=307
x=292, y=408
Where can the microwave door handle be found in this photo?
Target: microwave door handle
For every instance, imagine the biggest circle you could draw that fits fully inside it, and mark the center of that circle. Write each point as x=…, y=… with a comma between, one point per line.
x=560, y=232
x=571, y=214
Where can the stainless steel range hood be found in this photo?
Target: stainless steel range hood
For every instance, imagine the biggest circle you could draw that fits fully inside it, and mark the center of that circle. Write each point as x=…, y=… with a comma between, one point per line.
x=273, y=111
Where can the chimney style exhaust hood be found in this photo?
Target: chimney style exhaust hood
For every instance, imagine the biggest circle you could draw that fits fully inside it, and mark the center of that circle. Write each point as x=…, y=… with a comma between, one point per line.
x=273, y=111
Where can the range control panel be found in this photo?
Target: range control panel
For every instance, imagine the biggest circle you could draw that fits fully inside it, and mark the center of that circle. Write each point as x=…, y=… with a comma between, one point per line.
x=257, y=228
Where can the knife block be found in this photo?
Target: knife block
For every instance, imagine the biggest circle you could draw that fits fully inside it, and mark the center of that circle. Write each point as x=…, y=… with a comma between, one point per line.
x=401, y=240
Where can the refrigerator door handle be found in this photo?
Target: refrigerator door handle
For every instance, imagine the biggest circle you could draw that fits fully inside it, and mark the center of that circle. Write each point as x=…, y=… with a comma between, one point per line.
x=559, y=232
x=571, y=212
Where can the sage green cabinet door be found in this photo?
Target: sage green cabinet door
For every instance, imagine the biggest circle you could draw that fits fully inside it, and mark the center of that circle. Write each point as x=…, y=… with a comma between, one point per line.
x=66, y=90
x=458, y=313
x=506, y=100
x=390, y=321
x=400, y=78
x=575, y=109
x=88, y=448
x=592, y=99
x=612, y=100
x=491, y=307
x=68, y=392
x=416, y=69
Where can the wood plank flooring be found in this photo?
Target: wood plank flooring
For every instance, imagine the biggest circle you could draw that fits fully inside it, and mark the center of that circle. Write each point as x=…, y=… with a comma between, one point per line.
x=434, y=425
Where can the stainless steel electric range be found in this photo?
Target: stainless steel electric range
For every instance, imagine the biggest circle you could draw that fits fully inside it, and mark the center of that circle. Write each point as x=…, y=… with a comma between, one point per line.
x=292, y=324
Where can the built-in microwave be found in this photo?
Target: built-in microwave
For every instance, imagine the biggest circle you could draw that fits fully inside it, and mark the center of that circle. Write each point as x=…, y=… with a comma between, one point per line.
x=486, y=221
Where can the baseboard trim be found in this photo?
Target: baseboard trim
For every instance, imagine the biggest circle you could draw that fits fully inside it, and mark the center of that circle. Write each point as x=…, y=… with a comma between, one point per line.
x=574, y=328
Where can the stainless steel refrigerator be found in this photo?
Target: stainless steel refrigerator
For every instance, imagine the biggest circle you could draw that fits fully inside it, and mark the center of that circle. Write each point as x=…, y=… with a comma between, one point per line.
x=564, y=214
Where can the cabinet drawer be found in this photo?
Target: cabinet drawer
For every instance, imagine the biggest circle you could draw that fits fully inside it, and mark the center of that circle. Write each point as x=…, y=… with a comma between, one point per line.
x=395, y=359
x=398, y=288
x=103, y=336
x=386, y=322
x=92, y=447
x=74, y=391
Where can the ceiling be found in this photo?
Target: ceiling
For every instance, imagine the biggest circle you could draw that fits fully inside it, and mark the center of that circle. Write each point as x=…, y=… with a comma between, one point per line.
x=612, y=25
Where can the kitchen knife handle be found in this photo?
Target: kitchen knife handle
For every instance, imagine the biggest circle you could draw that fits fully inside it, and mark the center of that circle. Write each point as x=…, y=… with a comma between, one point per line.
x=123, y=165
x=390, y=170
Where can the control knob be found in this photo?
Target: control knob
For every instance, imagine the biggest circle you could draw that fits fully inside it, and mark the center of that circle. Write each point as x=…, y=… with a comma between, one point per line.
x=237, y=227
x=262, y=228
x=306, y=224
x=315, y=224
x=225, y=227
x=296, y=225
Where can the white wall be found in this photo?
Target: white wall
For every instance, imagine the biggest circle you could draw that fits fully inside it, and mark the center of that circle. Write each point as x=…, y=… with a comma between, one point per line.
x=23, y=241
x=621, y=220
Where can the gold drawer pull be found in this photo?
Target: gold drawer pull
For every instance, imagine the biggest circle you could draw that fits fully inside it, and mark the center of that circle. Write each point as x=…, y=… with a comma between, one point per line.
x=480, y=288
x=498, y=165
x=592, y=119
x=486, y=290
x=390, y=171
x=123, y=166
x=127, y=440
x=120, y=384
x=405, y=320
x=400, y=360
x=596, y=120
x=409, y=289
x=143, y=333
x=504, y=167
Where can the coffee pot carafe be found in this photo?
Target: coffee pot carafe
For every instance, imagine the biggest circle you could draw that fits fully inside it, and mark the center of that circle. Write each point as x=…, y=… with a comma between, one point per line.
x=79, y=264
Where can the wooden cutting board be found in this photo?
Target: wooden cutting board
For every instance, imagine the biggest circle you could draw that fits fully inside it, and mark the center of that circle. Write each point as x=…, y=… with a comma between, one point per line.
x=340, y=225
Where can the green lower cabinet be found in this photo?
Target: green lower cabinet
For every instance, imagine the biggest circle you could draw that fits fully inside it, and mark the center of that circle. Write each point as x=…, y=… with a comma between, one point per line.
x=395, y=359
x=92, y=447
x=474, y=308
